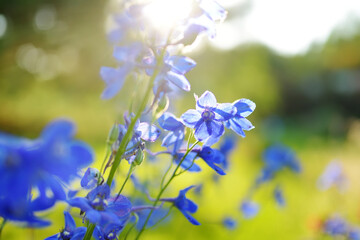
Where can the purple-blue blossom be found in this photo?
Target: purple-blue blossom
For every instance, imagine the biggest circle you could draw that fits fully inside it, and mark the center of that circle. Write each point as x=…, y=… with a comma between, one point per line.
x=185, y=205
x=45, y=163
x=102, y=209
x=249, y=209
x=70, y=231
x=208, y=118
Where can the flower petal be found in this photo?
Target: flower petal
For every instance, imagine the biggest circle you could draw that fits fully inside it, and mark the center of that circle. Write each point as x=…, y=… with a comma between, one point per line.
x=191, y=117
x=148, y=132
x=244, y=107
x=189, y=217
x=181, y=64
x=69, y=222
x=224, y=111
x=169, y=122
x=206, y=100
x=114, y=79
x=178, y=80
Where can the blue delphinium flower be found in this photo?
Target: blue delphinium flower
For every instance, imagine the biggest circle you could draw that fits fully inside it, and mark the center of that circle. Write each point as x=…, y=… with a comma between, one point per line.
x=203, y=20
x=238, y=123
x=276, y=158
x=279, y=196
x=175, y=137
x=143, y=131
x=70, y=232
x=185, y=206
x=90, y=178
x=208, y=118
x=114, y=79
x=335, y=226
x=101, y=209
x=333, y=176
x=213, y=158
x=45, y=163
x=172, y=73
x=229, y=223
x=249, y=209
x=354, y=233
x=108, y=232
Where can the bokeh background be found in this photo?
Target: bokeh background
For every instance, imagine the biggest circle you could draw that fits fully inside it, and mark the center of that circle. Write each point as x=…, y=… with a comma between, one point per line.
x=299, y=62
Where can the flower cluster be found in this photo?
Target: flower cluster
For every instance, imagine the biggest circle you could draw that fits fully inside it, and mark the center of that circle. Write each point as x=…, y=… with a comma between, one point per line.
x=337, y=227
x=43, y=165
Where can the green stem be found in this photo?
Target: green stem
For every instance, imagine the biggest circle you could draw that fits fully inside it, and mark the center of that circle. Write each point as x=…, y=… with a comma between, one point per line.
x=166, y=173
x=132, y=166
x=89, y=231
x=132, y=226
x=2, y=226
x=128, y=135
x=124, y=142
x=164, y=188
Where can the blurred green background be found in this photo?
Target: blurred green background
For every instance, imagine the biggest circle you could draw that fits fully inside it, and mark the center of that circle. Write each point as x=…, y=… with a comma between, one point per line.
x=50, y=56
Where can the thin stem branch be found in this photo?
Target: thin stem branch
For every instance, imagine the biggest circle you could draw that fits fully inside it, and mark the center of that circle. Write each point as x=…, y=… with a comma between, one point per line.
x=164, y=188
x=2, y=226
x=166, y=173
x=126, y=179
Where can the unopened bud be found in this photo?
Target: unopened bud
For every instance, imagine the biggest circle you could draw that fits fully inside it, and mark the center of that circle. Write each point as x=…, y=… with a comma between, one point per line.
x=162, y=106
x=113, y=134
x=139, y=158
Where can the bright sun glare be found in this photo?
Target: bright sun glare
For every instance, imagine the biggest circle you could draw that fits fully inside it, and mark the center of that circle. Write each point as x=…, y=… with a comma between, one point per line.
x=164, y=13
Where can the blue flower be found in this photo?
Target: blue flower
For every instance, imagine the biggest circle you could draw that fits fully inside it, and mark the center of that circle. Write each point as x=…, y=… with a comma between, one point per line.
x=210, y=12
x=45, y=163
x=276, y=158
x=333, y=176
x=129, y=57
x=213, y=157
x=172, y=74
x=177, y=131
x=90, y=178
x=229, y=223
x=143, y=131
x=238, y=123
x=279, y=197
x=70, y=232
x=335, y=226
x=185, y=206
x=249, y=209
x=101, y=209
x=109, y=232
x=208, y=118
x=354, y=234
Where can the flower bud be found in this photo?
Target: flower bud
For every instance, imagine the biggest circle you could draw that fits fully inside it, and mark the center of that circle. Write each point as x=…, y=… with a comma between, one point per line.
x=113, y=134
x=162, y=106
x=139, y=158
